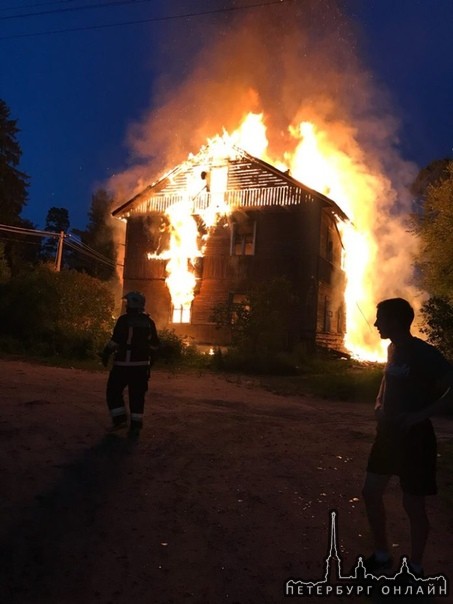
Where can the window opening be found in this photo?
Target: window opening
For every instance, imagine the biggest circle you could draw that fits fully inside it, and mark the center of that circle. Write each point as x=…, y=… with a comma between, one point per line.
x=243, y=236
x=182, y=313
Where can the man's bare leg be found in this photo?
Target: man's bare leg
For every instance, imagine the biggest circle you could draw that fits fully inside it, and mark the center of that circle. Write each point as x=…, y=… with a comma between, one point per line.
x=415, y=508
x=373, y=495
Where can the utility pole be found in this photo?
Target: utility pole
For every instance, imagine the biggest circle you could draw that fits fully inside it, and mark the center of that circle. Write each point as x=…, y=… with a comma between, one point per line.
x=59, y=252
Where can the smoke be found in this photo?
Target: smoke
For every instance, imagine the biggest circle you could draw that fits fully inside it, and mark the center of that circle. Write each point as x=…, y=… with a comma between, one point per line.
x=273, y=59
x=294, y=61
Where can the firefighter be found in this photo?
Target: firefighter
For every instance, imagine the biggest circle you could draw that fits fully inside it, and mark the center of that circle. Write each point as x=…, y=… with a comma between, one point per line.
x=134, y=344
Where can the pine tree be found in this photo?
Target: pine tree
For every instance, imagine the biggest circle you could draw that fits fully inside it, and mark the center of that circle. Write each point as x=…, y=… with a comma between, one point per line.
x=57, y=220
x=100, y=236
x=13, y=182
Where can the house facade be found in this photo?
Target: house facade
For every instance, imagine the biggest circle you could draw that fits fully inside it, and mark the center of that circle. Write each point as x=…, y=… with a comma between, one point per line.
x=268, y=226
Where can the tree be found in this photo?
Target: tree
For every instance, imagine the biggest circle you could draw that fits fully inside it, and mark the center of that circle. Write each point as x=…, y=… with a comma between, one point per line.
x=57, y=220
x=65, y=313
x=13, y=182
x=21, y=250
x=434, y=262
x=16, y=250
x=100, y=236
x=434, y=227
x=262, y=323
x=438, y=324
x=429, y=175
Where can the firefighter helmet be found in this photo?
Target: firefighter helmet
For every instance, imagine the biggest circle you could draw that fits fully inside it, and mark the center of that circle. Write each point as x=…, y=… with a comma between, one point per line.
x=135, y=300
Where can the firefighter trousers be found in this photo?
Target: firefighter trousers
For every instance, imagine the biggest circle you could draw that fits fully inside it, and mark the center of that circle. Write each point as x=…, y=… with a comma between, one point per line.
x=135, y=379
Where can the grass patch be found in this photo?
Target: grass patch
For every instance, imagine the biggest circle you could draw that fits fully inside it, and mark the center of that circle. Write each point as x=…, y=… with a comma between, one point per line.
x=54, y=361
x=317, y=375
x=336, y=379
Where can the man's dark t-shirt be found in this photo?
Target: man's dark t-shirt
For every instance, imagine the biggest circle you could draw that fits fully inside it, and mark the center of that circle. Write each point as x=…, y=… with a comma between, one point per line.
x=410, y=377
x=408, y=385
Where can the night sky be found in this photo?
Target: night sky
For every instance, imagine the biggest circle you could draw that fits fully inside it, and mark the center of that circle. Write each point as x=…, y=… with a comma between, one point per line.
x=75, y=94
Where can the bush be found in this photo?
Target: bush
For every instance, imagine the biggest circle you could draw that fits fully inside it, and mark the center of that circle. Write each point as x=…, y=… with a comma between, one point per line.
x=438, y=324
x=262, y=328
x=174, y=350
x=236, y=359
x=85, y=319
x=48, y=313
x=340, y=380
x=171, y=348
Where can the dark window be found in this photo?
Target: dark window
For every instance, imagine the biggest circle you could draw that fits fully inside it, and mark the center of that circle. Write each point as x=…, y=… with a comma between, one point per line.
x=243, y=236
x=340, y=320
x=327, y=315
x=330, y=250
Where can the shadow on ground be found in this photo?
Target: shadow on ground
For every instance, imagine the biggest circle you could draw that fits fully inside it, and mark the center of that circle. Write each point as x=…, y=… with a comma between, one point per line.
x=48, y=532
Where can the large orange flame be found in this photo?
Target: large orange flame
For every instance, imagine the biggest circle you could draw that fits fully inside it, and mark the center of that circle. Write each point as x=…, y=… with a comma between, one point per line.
x=316, y=161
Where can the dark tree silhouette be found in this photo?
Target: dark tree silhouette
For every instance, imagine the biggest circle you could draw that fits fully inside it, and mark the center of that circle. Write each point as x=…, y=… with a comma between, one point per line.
x=57, y=220
x=16, y=250
x=13, y=182
x=434, y=225
x=99, y=236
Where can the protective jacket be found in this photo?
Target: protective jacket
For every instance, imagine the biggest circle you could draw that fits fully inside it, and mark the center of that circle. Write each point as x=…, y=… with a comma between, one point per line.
x=134, y=340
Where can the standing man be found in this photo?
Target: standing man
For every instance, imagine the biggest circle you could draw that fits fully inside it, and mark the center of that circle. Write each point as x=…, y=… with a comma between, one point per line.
x=417, y=383
x=134, y=343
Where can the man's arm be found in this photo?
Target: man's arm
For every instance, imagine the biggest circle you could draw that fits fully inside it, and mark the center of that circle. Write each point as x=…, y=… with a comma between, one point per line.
x=109, y=348
x=112, y=344
x=379, y=404
x=443, y=404
x=154, y=343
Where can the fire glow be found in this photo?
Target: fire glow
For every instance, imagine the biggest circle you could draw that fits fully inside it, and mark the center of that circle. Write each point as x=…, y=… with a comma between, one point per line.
x=317, y=162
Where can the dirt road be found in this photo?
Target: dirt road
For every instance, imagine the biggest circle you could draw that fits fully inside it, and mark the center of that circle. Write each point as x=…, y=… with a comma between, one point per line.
x=225, y=496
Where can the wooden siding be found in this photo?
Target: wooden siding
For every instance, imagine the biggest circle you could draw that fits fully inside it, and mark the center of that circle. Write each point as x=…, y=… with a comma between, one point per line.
x=294, y=236
x=256, y=197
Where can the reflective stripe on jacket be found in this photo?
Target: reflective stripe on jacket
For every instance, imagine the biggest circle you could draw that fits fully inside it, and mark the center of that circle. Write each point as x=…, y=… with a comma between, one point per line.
x=135, y=339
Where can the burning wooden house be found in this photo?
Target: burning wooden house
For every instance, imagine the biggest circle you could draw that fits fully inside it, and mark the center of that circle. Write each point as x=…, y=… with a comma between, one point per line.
x=219, y=224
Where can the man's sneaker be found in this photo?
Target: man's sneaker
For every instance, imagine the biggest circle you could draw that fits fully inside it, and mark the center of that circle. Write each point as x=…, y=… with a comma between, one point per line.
x=375, y=566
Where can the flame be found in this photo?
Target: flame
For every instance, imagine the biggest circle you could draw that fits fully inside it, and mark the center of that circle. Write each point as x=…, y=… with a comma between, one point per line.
x=318, y=162
x=251, y=135
x=181, y=256
x=185, y=242
x=183, y=252
x=321, y=165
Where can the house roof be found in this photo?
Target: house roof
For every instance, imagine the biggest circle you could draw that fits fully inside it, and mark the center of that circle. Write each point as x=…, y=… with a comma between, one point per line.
x=246, y=173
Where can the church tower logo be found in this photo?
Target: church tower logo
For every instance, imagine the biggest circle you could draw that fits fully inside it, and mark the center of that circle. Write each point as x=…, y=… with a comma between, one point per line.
x=360, y=581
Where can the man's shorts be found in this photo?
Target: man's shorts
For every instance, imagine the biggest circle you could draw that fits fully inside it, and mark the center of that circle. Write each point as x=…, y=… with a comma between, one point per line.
x=412, y=456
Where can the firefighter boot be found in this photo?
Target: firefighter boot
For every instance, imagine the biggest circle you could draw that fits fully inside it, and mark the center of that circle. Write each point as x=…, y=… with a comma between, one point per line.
x=134, y=429
x=118, y=422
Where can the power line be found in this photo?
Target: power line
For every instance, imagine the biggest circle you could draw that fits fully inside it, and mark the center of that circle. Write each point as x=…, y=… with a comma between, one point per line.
x=88, y=251
x=14, y=229
x=36, y=4
x=95, y=257
x=78, y=246
x=150, y=20
x=21, y=241
x=74, y=9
